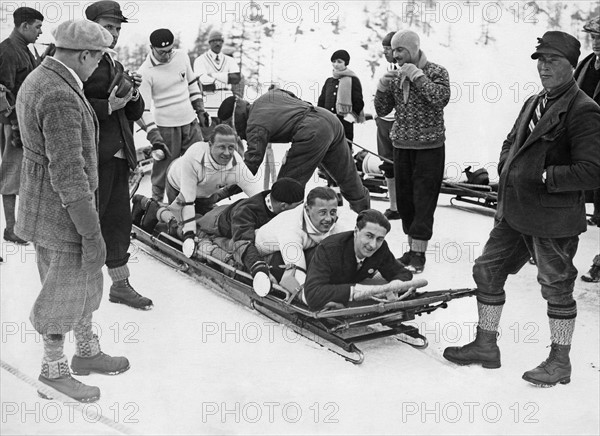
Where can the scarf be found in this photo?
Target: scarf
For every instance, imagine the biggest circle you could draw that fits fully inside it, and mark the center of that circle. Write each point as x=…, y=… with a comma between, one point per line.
x=405, y=84
x=343, y=105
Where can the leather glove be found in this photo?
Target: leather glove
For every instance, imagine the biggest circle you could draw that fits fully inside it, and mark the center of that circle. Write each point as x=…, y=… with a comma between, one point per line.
x=87, y=223
x=261, y=282
x=386, y=80
x=16, y=135
x=411, y=72
x=158, y=145
x=115, y=103
x=188, y=247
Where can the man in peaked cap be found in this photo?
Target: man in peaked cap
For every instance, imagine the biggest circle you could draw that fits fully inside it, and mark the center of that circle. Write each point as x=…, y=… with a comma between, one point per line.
x=169, y=87
x=57, y=206
x=219, y=75
x=587, y=75
x=116, y=112
x=551, y=154
x=16, y=62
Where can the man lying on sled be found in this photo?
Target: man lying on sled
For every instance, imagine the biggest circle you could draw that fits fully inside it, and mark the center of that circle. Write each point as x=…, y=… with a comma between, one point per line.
x=236, y=225
x=207, y=173
x=344, y=260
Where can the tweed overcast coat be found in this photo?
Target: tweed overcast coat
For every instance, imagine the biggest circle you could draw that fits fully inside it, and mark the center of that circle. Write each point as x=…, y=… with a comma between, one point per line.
x=60, y=163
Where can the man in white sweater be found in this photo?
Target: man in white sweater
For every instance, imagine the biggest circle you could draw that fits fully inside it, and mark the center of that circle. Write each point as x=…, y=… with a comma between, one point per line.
x=290, y=235
x=171, y=89
x=218, y=73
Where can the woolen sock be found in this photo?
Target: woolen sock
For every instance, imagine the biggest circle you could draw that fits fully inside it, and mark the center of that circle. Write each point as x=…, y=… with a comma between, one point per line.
x=489, y=316
x=87, y=344
x=54, y=362
x=561, y=330
x=119, y=273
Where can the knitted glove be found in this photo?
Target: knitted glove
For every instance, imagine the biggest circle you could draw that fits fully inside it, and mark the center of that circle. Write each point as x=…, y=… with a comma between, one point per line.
x=386, y=80
x=87, y=223
x=411, y=72
x=203, y=117
x=159, y=147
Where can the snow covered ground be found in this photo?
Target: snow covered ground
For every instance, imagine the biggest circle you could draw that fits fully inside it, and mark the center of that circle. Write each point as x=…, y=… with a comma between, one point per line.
x=201, y=364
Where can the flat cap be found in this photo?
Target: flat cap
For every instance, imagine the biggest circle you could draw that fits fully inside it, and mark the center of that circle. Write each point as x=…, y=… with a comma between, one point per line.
x=82, y=34
x=105, y=9
x=592, y=26
x=559, y=43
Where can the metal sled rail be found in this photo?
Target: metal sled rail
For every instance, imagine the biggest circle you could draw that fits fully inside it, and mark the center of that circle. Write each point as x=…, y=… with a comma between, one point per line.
x=338, y=329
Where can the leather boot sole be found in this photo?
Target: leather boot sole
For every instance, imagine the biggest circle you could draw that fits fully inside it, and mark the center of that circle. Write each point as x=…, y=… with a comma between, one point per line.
x=542, y=384
x=485, y=363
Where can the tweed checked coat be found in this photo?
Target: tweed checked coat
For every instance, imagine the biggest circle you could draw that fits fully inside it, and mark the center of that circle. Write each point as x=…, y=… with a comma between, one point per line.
x=565, y=143
x=60, y=163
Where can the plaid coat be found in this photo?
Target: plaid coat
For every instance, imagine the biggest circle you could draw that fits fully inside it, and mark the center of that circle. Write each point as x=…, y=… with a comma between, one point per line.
x=60, y=165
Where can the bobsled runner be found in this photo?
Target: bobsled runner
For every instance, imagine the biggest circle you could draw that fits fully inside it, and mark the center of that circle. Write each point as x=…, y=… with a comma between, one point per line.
x=339, y=329
x=476, y=190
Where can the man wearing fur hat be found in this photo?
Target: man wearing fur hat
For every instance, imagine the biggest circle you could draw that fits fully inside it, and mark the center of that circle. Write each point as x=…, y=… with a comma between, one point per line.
x=116, y=113
x=419, y=90
x=57, y=206
x=219, y=75
x=551, y=154
x=171, y=89
x=587, y=75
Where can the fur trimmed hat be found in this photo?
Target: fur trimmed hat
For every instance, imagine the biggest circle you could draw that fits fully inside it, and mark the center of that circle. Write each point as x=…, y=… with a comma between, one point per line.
x=287, y=190
x=409, y=40
x=341, y=54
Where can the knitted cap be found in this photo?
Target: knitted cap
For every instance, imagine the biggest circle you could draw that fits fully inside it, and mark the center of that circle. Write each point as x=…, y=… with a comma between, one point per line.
x=287, y=190
x=341, y=54
x=559, y=43
x=409, y=40
x=215, y=35
x=387, y=39
x=161, y=38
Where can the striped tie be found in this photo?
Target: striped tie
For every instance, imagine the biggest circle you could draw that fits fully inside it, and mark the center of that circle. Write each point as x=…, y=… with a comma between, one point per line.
x=537, y=114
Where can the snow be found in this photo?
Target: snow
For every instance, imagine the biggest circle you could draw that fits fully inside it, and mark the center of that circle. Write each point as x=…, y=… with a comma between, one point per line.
x=203, y=364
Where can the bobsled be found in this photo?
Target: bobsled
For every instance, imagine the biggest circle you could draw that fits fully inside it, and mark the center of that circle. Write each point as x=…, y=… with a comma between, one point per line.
x=339, y=329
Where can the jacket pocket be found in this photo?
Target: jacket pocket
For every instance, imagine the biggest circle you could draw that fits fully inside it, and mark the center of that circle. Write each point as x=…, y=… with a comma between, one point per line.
x=560, y=199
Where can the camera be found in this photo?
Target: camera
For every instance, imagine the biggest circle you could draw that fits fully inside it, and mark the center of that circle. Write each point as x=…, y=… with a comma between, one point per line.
x=124, y=83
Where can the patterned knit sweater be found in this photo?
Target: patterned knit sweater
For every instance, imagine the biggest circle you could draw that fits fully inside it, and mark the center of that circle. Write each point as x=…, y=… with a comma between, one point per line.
x=420, y=121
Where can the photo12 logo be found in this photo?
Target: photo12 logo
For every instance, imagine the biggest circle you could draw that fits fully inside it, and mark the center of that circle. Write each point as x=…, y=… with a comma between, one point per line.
x=269, y=12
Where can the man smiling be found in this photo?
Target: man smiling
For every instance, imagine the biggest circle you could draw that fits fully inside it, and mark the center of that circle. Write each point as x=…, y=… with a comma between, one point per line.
x=290, y=235
x=344, y=260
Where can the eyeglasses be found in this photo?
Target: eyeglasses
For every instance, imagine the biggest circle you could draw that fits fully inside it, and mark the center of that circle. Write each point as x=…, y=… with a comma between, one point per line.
x=163, y=52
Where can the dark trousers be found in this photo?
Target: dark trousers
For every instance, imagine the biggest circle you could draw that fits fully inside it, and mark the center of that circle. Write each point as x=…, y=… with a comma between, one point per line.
x=419, y=175
x=320, y=140
x=384, y=146
x=507, y=250
x=115, y=210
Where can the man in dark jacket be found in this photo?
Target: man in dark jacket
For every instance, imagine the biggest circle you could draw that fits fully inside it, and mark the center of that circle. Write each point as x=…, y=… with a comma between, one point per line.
x=550, y=156
x=116, y=110
x=587, y=75
x=342, y=261
x=316, y=135
x=16, y=62
x=239, y=221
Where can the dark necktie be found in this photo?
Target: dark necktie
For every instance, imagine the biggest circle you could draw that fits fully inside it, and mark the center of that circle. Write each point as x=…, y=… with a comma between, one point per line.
x=539, y=111
x=359, y=264
x=217, y=58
